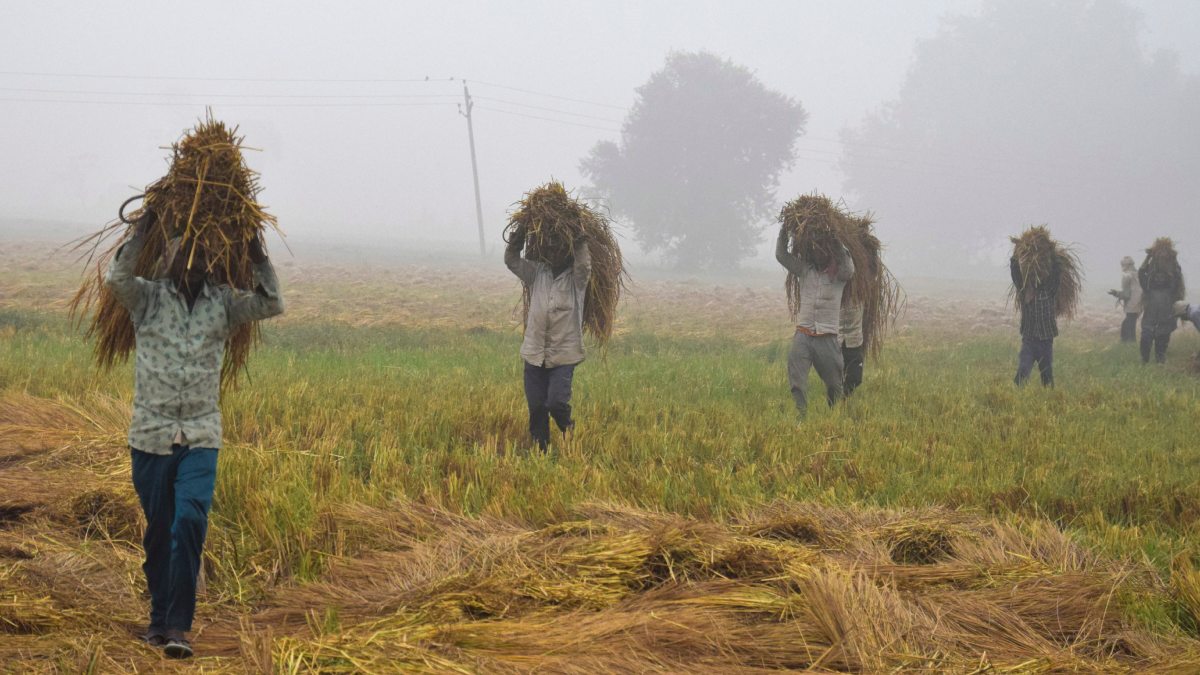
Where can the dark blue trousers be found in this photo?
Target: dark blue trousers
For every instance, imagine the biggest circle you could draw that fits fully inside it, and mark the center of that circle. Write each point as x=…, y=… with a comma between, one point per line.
x=548, y=393
x=1036, y=351
x=176, y=492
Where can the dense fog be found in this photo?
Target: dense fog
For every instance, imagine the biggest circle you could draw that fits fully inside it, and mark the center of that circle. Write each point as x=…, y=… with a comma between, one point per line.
x=956, y=122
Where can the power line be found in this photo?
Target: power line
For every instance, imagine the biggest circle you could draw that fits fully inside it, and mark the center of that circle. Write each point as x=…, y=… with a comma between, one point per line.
x=555, y=96
x=229, y=105
x=548, y=119
x=98, y=76
x=211, y=95
x=553, y=110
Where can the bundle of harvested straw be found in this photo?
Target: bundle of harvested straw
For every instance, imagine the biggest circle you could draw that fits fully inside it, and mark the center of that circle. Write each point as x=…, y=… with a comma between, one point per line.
x=553, y=219
x=1162, y=264
x=818, y=228
x=1039, y=257
x=208, y=199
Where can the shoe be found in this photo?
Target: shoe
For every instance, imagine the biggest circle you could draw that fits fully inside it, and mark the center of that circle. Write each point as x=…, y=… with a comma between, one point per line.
x=154, y=636
x=177, y=646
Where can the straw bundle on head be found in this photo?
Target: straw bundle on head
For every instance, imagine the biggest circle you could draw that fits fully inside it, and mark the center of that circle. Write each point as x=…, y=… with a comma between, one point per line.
x=553, y=220
x=818, y=228
x=1162, y=264
x=1039, y=256
x=208, y=201
x=883, y=299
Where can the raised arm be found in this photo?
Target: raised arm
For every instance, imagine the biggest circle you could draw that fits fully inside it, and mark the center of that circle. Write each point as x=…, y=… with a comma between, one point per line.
x=583, y=261
x=265, y=301
x=1014, y=268
x=845, y=265
x=525, y=270
x=790, y=262
x=131, y=290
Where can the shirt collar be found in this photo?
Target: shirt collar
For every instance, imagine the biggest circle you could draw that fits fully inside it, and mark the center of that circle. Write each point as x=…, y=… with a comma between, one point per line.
x=206, y=290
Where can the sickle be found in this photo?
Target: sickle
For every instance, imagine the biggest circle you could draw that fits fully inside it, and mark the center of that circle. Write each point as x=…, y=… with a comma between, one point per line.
x=121, y=211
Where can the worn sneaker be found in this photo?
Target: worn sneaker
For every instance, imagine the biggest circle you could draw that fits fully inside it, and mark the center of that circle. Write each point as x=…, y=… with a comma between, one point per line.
x=177, y=646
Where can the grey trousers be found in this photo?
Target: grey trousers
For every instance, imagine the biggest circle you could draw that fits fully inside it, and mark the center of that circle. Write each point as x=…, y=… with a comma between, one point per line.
x=823, y=353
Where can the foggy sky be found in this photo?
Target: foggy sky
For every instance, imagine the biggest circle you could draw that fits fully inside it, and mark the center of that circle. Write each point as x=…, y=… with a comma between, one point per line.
x=337, y=163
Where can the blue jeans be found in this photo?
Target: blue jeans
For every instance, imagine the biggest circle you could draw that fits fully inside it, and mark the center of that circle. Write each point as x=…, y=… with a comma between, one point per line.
x=1036, y=351
x=548, y=393
x=176, y=493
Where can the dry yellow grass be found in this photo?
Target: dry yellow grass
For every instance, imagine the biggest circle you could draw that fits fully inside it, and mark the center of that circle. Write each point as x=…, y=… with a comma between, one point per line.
x=790, y=585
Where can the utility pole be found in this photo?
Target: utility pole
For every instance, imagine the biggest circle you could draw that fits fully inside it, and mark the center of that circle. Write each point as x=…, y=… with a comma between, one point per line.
x=465, y=111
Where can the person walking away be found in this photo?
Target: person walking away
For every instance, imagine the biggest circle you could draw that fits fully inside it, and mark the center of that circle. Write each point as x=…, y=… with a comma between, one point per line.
x=553, y=343
x=1130, y=298
x=181, y=324
x=817, y=319
x=851, y=335
x=1039, y=325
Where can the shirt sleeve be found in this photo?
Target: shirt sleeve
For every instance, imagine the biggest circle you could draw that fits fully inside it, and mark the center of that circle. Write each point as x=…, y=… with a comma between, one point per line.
x=1127, y=286
x=131, y=290
x=583, y=262
x=790, y=262
x=264, y=302
x=1014, y=268
x=524, y=269
x=845, y=265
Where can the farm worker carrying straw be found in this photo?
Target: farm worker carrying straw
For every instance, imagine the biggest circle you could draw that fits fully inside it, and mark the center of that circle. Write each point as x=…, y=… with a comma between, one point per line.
x=817, y=317
x=182, y=323
x=571, y=276
x=1162, y=284
x=1129, y=297
x=1046, y=281
x=183, y=290
x=1039, y=325
x=850, y=334
x=553, y=343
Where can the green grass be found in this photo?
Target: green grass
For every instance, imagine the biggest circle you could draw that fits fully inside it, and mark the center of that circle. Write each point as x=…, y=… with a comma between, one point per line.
x=702, y=426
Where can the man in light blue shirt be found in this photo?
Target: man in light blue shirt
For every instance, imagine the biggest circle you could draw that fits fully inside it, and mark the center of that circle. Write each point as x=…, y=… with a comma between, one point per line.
x=181, y=325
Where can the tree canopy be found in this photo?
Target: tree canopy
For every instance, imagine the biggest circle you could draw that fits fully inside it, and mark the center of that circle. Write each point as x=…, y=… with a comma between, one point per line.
x=1032, y=111
x=699, y=160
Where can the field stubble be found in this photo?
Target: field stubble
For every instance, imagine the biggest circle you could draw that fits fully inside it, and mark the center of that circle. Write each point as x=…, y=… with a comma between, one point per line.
x=376, y=511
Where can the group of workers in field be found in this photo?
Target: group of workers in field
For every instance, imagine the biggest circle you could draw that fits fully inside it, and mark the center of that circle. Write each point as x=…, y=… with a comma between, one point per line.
x=1154, y=297
x=183, y=320
x=1158, y=300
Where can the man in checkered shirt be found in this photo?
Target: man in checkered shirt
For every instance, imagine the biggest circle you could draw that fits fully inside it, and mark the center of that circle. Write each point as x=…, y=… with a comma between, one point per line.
x=1039, y=326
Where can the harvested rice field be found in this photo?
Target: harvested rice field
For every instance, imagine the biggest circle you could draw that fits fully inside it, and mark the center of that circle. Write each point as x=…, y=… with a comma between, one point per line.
x=377, y=509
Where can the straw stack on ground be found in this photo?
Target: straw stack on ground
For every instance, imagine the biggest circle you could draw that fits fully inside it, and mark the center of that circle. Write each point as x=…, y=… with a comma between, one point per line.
x=208, y=200
x=1038, y=256
x=1162, y=264
x=604, y=587
x=818, y=228
x=553, y=219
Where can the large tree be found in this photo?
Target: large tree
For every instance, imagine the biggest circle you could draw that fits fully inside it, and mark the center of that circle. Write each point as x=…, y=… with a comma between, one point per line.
x=1032, y=111
x=699, y=159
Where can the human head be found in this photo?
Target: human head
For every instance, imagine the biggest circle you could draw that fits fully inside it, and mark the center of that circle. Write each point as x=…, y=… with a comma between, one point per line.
x=1127, y=263
x=180, y=272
